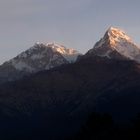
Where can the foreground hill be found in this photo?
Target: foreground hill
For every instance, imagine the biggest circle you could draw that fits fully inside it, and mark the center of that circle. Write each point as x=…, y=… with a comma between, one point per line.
x=59, y=100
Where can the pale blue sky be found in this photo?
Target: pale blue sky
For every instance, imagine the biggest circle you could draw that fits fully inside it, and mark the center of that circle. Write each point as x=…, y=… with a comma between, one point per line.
x=76, y=24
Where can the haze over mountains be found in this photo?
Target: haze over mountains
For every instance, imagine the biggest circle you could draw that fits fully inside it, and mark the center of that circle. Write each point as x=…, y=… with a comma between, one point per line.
x=61, y=91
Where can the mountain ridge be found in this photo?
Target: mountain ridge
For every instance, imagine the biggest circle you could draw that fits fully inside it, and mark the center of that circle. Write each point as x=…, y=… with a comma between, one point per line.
x=37, y=58
x=116, y=41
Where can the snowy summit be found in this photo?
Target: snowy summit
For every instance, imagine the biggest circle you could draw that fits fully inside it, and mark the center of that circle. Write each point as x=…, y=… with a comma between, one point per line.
x=39, y=57
x=43, y=56
x=116, y=43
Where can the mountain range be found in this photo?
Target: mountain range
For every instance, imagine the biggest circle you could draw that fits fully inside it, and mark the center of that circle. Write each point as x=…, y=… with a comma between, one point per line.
x=64, y=87
x=37, y=58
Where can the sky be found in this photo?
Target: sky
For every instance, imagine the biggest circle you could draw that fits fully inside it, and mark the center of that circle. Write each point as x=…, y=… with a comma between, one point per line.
x=76, y=24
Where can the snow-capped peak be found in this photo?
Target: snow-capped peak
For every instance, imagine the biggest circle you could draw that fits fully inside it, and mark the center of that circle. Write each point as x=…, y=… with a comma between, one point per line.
x=116, y=40
x=117, y=35
x=68, y=53
x=116, y=32
x=57, y=47
x=43, y=56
